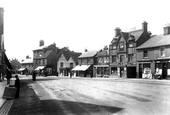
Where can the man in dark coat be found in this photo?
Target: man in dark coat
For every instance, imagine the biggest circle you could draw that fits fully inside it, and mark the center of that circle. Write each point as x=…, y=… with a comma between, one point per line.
x=34, y=76
x=17, y=86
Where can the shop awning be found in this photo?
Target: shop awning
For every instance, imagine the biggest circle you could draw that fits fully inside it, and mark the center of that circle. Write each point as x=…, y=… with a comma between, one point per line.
x=81, y=68
x=21, y=69
x=40, y=67
x=8, y=64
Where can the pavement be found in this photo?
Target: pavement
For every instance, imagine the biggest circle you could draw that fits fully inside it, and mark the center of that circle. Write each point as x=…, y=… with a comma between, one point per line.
x=5, y=104
x=3, y=84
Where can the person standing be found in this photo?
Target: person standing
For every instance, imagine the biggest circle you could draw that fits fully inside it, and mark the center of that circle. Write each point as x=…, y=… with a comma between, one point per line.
x=17, y=86
x=8, y=76
x=34, y=76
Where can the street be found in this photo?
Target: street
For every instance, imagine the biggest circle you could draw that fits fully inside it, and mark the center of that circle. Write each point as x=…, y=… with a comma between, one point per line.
x=97, y=96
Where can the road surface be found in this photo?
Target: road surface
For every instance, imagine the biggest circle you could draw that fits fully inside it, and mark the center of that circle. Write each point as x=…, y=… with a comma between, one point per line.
x=86, y=96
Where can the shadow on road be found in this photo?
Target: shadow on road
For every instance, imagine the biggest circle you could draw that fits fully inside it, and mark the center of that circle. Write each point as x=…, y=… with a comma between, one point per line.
x=30, y=103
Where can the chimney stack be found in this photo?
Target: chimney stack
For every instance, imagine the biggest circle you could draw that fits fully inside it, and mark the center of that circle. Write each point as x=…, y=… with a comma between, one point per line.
x=145, y=26
x=117, y=31
x=167, y=30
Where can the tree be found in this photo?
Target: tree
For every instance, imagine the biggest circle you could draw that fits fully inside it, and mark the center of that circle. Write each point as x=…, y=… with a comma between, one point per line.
x=41, y=43
x=15, y=64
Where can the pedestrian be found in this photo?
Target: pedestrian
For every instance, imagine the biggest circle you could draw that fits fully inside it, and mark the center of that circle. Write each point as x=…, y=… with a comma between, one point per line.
x=17, y=86
x=34, y=76
x=8, y=76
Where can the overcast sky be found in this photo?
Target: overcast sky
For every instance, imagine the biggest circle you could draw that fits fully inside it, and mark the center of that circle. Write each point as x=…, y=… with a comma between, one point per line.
x=78, y=24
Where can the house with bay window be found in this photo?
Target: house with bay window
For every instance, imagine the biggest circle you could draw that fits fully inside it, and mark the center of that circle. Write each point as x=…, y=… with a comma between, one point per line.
x=122, y=51
x=154, y=56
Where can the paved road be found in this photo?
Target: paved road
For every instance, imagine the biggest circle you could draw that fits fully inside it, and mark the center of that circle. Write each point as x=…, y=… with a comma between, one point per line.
x=85, y=96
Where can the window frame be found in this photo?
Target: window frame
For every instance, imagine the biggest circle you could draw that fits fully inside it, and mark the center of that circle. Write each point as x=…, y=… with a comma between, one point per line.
x=162, y=51
x=145, y=54
x=113, y=58
x=121, y=44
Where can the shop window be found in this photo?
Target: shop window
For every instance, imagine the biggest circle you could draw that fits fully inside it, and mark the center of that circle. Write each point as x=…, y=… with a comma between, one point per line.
x=162, y=51
x=113, y=58
x=114, y=70
x=145, y=54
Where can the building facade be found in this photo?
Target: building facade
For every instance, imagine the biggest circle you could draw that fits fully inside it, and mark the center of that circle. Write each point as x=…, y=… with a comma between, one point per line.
x=45, y=59
x=122, y=51
x=102, y=66
x=153, y=57
x=26, y=67
x=4, y=62
x=86, y=62
x=67, y=60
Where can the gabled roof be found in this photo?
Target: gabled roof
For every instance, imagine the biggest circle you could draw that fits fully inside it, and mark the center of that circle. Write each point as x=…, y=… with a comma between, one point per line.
x=67, y=54
x=136, y=33
x=27, y=61
x=125, y=35
x=88, y=54
x=156, y=41
x=47, y=53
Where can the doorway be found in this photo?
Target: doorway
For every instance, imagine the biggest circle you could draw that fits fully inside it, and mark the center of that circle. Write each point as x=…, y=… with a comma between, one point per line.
x=140, y=70
x=164, y=70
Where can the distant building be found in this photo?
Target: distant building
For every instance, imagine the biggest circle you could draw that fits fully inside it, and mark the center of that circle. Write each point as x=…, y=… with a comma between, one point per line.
x=154, y=55
x=122, y=51
x=102, y=66
x=66, y=61
x=26, y=67
x=86, y=62
x=45, y=59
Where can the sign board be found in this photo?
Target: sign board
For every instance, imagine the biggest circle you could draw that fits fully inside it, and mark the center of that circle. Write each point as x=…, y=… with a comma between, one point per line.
x=9, y=93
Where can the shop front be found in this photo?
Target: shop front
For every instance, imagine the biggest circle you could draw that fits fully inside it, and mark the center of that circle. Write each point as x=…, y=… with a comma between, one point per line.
x=145, y=70
x=162, y=69
x=102, y=70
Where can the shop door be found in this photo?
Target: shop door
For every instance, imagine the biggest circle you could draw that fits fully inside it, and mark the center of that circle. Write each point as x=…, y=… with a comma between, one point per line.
x=164, y=71
x=121, y=71
x=140, y=71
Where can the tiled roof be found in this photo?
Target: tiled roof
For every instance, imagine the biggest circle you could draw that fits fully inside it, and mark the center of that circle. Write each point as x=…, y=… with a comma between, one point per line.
x=27, y=61
x=47, y=53
x=103, y=53
x=88, y=54
x=75, y=56
x=156, y=41
x=136, y=33
x=125, y=35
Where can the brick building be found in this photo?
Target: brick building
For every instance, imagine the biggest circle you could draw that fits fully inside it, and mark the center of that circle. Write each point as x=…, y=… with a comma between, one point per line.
x=155, y=55
x=122, y=51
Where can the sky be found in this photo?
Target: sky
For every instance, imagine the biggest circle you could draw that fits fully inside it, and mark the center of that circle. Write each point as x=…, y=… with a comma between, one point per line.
x=77, y=24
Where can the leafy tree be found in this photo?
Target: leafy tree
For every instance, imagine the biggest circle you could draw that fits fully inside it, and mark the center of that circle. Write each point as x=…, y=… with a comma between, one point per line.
x=15, y=64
